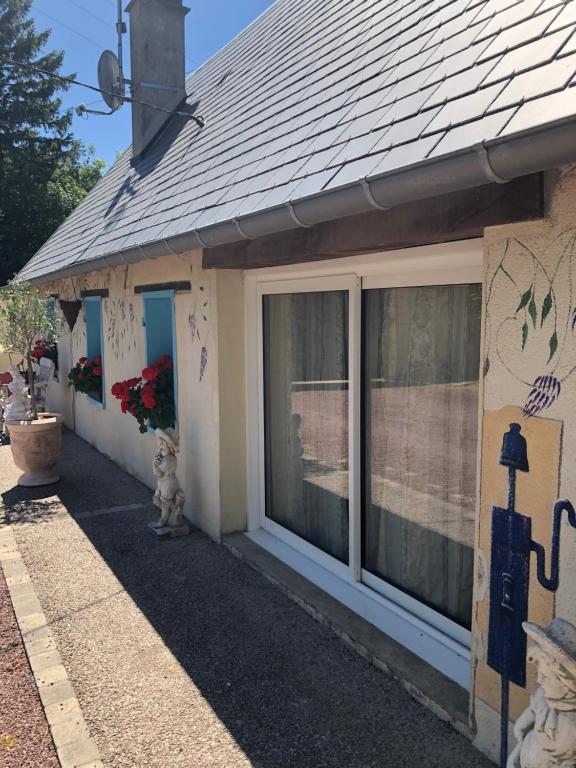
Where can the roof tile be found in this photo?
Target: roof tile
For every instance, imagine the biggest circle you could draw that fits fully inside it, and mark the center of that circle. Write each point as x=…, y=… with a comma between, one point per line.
x=319, y=93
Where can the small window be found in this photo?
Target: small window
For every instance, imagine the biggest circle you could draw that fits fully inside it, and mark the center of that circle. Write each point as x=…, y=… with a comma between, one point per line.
x=159, y=330
x=93, y=315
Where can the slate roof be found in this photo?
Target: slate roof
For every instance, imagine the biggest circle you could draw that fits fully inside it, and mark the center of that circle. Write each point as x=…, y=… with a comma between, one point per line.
x=315, y=94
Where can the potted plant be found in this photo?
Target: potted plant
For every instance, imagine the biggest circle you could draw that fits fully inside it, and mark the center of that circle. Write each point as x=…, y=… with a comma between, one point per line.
x=86, y=377
x=149, y=397
x=35, y=440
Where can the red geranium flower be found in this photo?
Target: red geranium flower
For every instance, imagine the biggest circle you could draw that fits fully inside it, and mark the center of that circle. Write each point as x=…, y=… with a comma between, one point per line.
x=148, y=396
x=83, y=360
x=97, y=371
x=150, y=373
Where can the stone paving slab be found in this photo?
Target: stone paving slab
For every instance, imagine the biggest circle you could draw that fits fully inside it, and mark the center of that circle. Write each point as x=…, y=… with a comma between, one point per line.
x=181, y=655
x=74, y=746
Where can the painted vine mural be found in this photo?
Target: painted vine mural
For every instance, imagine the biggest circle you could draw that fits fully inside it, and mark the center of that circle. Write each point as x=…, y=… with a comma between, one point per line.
x=543, y=323
x=121, y=319
x=199, y=324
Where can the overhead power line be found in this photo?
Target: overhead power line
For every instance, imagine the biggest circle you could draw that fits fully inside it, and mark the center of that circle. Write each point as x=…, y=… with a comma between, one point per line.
x=71, y=29
x=12, y=62
x=94, y=16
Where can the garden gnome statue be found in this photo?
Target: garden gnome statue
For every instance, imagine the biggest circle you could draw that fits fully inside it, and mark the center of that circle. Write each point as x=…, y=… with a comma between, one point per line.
x=169, y=496
x=546, y=731
x=17, y=404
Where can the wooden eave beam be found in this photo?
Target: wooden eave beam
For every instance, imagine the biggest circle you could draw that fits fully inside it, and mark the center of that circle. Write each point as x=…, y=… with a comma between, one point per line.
x=456, y=216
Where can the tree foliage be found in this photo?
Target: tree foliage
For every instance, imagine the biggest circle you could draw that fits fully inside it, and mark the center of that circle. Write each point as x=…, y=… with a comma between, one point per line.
x=44, y=171
x=24, y=317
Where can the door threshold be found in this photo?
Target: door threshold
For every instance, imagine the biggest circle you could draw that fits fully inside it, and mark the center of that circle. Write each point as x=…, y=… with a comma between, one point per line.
x=429, y=686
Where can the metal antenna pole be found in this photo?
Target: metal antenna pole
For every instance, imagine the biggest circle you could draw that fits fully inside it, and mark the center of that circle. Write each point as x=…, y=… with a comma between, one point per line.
x=120, y=30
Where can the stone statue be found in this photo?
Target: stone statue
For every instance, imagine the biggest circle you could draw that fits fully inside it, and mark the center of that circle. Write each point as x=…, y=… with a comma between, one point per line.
x=17, y=404
x=169, y=496
x=546, y=730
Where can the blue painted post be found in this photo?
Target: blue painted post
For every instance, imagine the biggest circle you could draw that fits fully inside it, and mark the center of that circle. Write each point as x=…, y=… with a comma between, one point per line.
x=512, y=545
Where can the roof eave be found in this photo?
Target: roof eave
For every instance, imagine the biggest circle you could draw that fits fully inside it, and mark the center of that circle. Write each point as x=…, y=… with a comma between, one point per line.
x=500, y=160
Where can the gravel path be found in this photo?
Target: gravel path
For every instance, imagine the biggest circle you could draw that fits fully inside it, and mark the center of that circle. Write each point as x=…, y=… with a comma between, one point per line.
x=25, y=740
x=182, y=656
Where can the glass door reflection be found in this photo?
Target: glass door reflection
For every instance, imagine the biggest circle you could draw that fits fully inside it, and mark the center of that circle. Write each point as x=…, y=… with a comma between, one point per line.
x=420, y=406
x=306, y=393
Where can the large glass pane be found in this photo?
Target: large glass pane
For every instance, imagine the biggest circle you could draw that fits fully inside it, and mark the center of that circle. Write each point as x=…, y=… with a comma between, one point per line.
x=421, y=363
x=306, y=416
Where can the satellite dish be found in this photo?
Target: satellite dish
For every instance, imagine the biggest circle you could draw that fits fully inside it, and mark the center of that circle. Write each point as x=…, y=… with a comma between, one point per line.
x=110, y=80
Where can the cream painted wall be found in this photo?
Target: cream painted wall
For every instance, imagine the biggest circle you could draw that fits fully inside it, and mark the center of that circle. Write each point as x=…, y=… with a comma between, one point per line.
x=203, y=434
x=520, y=345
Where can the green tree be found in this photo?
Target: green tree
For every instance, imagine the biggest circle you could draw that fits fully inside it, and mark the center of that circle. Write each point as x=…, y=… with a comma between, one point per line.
x=44, y=171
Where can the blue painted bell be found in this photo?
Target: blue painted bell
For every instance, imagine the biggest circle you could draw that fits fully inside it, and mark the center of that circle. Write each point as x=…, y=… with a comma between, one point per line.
x=514, y=451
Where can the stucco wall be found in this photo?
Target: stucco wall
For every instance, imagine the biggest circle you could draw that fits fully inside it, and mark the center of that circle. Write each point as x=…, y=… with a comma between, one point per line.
x=198, y=363
x=530, y=332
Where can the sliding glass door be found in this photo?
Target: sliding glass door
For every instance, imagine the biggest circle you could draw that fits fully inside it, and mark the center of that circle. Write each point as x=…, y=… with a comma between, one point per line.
x=369, y=417
x=420, y=414
x=306, y=401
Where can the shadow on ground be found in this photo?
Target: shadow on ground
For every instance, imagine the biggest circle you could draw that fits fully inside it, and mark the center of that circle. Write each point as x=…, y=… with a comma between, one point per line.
x=291, y=694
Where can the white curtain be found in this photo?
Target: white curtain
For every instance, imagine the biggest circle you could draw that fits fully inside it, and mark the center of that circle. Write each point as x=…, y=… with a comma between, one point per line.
x=421, y=368
x=306, y=416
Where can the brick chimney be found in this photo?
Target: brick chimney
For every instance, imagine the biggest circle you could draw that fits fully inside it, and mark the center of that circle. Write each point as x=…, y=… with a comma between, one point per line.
x=158, y=68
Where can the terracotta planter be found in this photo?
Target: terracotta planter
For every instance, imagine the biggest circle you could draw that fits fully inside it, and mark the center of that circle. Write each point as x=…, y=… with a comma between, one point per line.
x=36, y=448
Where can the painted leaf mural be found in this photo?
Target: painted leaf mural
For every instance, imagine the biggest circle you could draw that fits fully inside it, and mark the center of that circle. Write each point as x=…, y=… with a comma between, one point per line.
x=553, y=345
x=524, y=334
x=546, y=306
x=544, y=392
x=525, y=299
x=549, y=301
x=532, y=311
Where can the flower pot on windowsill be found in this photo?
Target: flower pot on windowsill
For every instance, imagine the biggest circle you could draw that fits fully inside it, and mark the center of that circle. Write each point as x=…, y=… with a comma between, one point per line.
x=36, y=448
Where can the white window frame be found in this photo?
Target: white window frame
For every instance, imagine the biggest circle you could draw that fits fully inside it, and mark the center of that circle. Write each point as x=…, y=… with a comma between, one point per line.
x=429, y=634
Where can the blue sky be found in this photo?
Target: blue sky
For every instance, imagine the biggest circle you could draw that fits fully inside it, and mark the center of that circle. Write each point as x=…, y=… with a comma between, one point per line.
x=83, y=28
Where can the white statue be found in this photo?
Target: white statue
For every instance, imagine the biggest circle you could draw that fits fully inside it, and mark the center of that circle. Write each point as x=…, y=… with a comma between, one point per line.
x=546, y=730
x=17, y=404
x=169, y=496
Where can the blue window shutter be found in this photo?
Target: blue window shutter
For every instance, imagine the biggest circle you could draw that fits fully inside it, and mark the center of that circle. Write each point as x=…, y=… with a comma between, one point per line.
x=159, y=331
x=159, y=327
x=93, y=318
x=93, y=310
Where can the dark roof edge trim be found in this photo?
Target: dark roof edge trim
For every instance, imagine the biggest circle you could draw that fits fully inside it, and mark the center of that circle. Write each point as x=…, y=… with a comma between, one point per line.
x=501, y=160
x=102, y=292
x=178, y=287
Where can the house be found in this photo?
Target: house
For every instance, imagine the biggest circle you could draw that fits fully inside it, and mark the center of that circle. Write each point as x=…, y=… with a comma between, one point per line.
x=363, y=265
